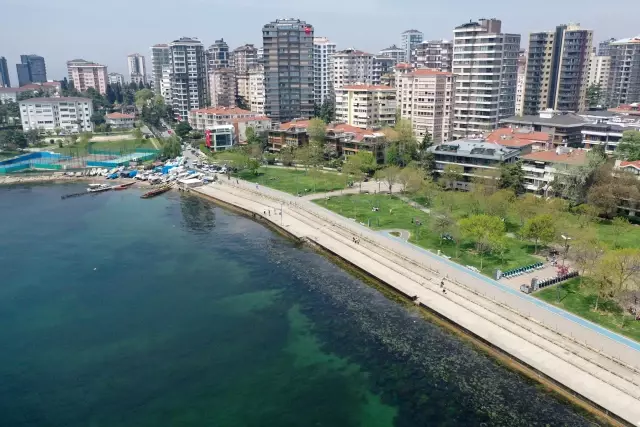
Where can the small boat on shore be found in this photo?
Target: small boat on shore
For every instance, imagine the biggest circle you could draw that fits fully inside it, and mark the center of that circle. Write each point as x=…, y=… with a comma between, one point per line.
x=93, y=188
x=123, y=186
x=156, y=192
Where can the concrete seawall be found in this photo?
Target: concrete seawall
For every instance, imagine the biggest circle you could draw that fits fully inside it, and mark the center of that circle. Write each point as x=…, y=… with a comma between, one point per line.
x=609, y=384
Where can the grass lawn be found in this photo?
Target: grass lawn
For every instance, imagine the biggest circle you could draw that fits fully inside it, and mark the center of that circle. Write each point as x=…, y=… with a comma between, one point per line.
x=296, y=181
x=394, y=213
x=124, y=146
x=581, y=301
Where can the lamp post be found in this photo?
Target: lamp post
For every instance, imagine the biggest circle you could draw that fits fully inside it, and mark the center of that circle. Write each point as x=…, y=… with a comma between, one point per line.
x=566, y=247
x=281, y=220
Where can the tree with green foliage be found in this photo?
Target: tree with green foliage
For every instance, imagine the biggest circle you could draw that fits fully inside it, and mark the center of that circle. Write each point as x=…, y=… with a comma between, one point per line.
x=142, y=97
x=574, y=185
x=24, y=95
x=389, y=175
x=327, y=111
x=620, y=226
x=303, y=157
x=498, y=203
x=617, y=271
x=526, y=206
x=428, y=160
x=242, y=103
x=512, y=177
x=541, y=229
x=441, y=222
x=98, y=118
x=483, y=230
x=411, y=177
x=426, y=141
x=402, y=147
x=357, y=165
x=171, y=147
x=594, y=95
x=450, y=175
x=287, y=156
x=182, y=129
x=33, y=136
x=629, y=146
x=11, y=139
x=137, y=133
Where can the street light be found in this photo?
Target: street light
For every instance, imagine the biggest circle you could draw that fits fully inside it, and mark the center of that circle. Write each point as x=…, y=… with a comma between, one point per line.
x=566, y=247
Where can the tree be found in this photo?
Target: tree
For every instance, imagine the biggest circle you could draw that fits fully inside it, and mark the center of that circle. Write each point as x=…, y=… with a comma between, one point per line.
x=441, y=223
x=111, y=95
x=287, y=155
x=429, y=162
x=402, y=148
x=526, y=206
x=594, y=95
x=183, y=129
x=27, y=94
x=498, y=203
x=97, y=118
x=412, y=177
x=143, y=96
x=357, y=165
x=389, y=175
x=242, y=103
x=137, y=133
x=303, y=157
x=327, y=111
x=426, y=141
x=451, y=175
x=619, y=227
x=603, y=198
x=317, y=132
x=617, y=271
x=12, y=138
x=629, y=146
x=540, y=229
x=575, y=184
x=512, y=177
x=483, y=230
x=171, y=147
x=587, y=249
x=32, y=135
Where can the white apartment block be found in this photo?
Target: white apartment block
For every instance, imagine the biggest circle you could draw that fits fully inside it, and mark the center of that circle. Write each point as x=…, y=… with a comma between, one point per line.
x=210, y=118
x=86, y=74
x=244, y=58
x=351, y=67
x=69, y=114
x=160, y=57
x=137, y=68
x=426, y=97
x=394, y=52
x=188, y=76
x=323, y=51
x=165, y=85
x=521, y=83
x=599, y=70
x=409, y=40
x=222, y=87
x=116, y=79
x=434, y=54
x=366, y=106
x=256, y=90
x=486, y=64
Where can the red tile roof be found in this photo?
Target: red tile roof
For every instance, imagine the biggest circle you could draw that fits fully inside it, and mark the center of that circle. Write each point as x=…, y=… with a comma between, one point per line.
x=635, y=164
x=575, y=157
x=294, y=124
x=429, y=72
x=222, y=111
x=516, y=137
x=249, y=119
x=403, y=65
x=119, y=116
x=368, y=87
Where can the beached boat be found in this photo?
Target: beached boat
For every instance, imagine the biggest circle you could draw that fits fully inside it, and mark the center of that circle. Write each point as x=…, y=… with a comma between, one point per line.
x=156, y=192
x=99, y=189
x=123, y=186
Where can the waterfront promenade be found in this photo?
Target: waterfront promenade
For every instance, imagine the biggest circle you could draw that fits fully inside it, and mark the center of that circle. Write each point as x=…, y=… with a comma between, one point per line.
x=597, y=364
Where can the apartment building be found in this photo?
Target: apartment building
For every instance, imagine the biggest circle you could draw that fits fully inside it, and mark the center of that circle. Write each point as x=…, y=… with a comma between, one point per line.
x=542, y=167
x=206, y=118
x=5, y=81
x=137, y=68
x=256, y=90
x=160, y=57
x=323, y=50
x=434, y=54
x=558, y=69
x=120, y=121
x=165, y=85
x=608, y=133
x=47, y=88
x=288, y=69
x=351, y=66
x=115, y=79
x=47, y=114
x=218, y=55
x=522, y=79
x=222, y=87
x=366, y=106
x=32, y=69
x=603, y=47
x=86, y=74
x=426, y=98
x=477, y=158
x=242, y=86
x=624, y=75
x=524, y=139
x=382, y=69
x=599, y=67
x=486, y=64
x=188, y=76
x=409, y=40
x=244, y=58
x=393, y=52
x=565, y=128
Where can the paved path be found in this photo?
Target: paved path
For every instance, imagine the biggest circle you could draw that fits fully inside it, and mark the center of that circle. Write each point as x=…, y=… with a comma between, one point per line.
x=370, y=187
x=602, y=366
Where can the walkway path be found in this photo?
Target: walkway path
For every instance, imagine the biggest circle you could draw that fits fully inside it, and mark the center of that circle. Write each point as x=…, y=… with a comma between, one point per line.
x=602, y=366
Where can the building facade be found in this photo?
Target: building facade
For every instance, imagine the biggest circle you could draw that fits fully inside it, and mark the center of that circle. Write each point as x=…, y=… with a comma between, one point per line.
x=218, y=55
x=120, y=121
x=522, y=79
x=434, y=54
x=558, y=69
x=115, y=79
x=5, y=81
x=48, y=88
x=351, y=67
x=208, y=118
x=137, y=68
x=68, y=114
x=542, y=167
x=382, y=70
x=32, y=69
x=426, y=98
x=256, y=90
x=366, y=106
x=603, y=47
x=86, y=74
x=222, y=87
x=188, y=76
x=624, y=74
x=486, y=63
x=288, y=69
x=160, y=57
x=394, y=52
x=244, y=58
x=409, y=40
x=323, y=51
x=565, y=128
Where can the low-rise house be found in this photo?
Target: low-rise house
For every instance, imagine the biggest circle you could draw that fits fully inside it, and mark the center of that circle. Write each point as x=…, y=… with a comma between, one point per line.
x=524, y=139
x=565, y=128
x=120, y=121
x=542, y=167
x=207, y=118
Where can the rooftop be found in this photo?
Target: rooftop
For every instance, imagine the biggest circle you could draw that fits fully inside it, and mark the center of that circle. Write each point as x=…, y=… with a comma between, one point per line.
x=368, y=87
x=352, y=52
x=61, y=99
x=572, y=157
x=476, y=148
x=510, y=137
x=633, y=40
x=635, y=164
x=119, y=116
x=563, y=119
x=224, y=111
x=249, y=119
x=428, y=72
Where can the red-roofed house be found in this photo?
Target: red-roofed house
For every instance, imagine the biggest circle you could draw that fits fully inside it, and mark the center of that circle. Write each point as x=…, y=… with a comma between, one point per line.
x=631, y=167
x=526, y=140
x=366, y=106
x=541, y=167
x=11, y=93
x=120, y=121
x=207, y=118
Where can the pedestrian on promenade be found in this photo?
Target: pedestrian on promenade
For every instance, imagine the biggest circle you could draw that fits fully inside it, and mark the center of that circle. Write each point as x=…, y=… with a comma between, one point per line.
x=256, y=186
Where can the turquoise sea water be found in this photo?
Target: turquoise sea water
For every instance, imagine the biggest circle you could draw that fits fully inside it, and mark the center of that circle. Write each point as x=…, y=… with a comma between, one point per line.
x=117, y=311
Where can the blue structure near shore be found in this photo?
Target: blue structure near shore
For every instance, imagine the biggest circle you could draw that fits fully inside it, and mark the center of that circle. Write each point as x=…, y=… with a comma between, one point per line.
x=124, y=160
x=35, y=160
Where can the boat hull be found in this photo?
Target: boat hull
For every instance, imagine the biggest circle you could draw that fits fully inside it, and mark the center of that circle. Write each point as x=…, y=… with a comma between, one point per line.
x=155, y=192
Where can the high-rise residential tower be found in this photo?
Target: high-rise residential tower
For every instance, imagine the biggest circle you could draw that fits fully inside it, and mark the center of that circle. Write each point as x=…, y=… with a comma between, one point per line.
x=624, y=73
x=409, y=40
x=557, y=69
x=137, y=68
x=218, y=55
x=244, y=58
x=160, y=57
x=323, y=51
x=394, y=52
x=603, y=47
x=222, y=87
x=522, y=77
x=485, y=62
x=188, y=76
x=352, y=66
x=288, y=69
x=32, y=69
x=434, y=54
x=116, y=79
x=87, y=74
x=4, y=73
